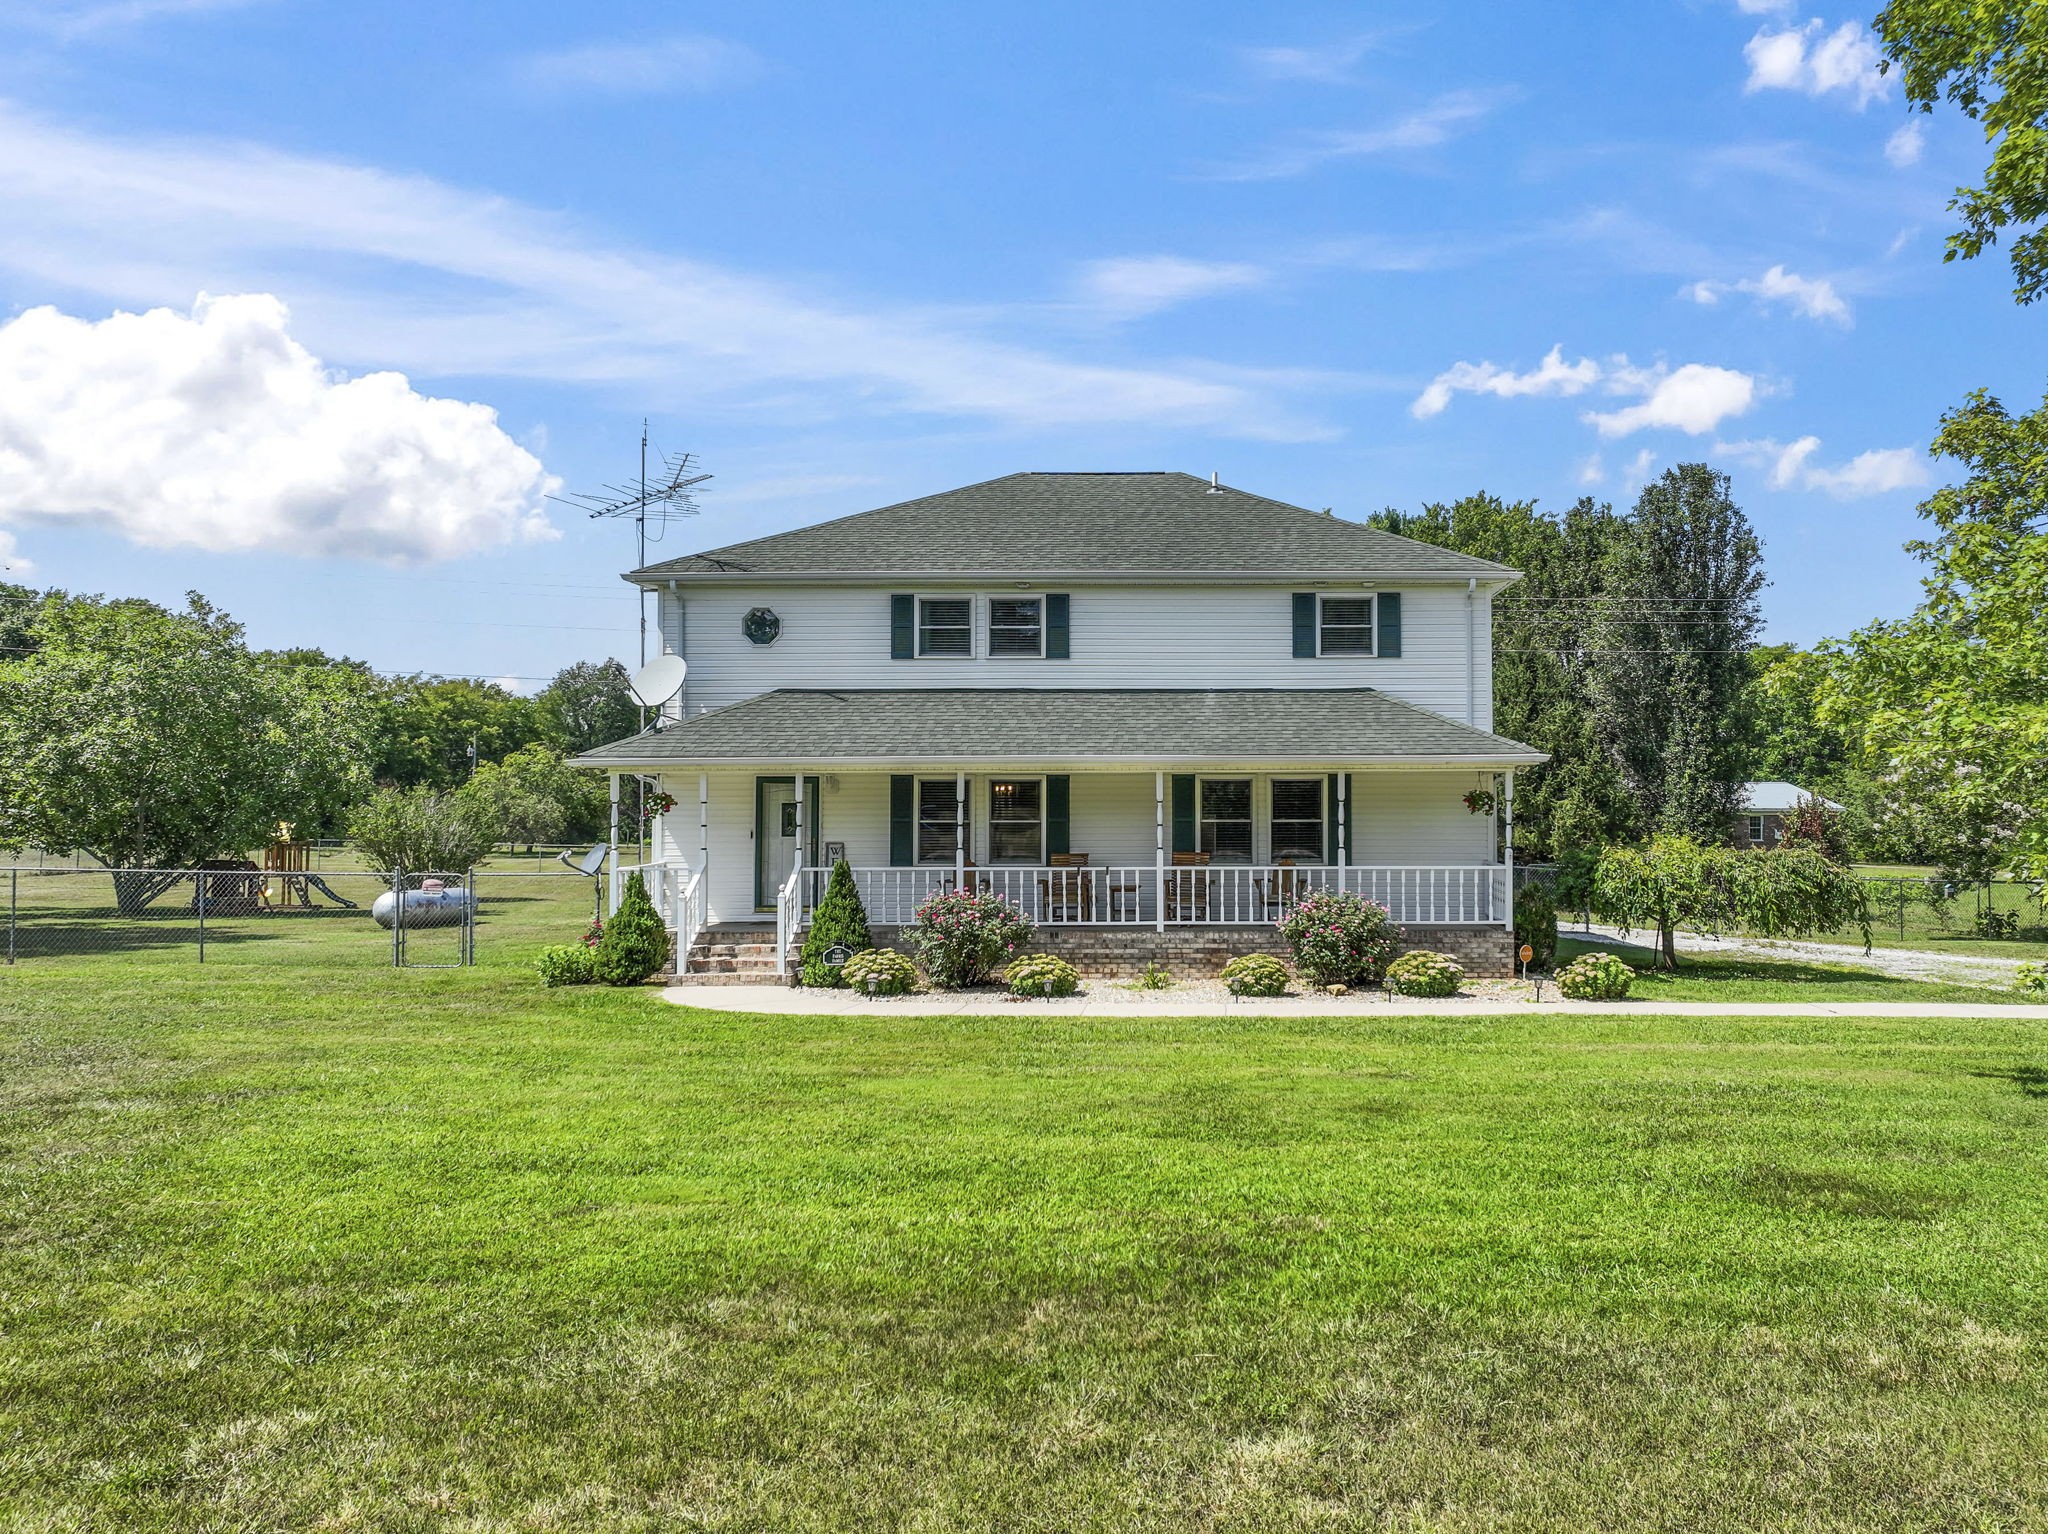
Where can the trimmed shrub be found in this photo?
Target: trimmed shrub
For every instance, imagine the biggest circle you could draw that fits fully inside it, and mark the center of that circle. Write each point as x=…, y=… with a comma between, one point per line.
x=892, y=973
x=566, y=964
x=963, y=936
x=1255, y=974
x=1030, y=975
x=1422, y=973
x=840, y=921
x=1341, y=939
x=1536, y=925
x=1595, y=977
x=635, y=943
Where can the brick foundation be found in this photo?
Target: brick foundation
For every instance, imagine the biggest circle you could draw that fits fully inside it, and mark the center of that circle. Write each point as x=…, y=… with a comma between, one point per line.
x=1193, y=953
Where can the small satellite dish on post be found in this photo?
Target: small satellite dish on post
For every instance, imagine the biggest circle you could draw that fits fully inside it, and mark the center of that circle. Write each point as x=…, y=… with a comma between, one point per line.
x=659, y=680
x=591, y=861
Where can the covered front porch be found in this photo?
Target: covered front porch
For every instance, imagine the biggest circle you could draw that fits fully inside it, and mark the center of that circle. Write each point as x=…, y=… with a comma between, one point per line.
x=1351, y=791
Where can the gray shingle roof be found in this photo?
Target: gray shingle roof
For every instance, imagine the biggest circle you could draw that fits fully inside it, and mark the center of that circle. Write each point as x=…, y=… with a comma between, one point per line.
x=1154, y=725
x=1098, y=524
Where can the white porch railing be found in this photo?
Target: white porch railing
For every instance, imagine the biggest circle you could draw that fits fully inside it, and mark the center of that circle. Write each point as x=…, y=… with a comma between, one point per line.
x=1218, y=894
x=692, y=903
x=679, y=892
x=789, y=917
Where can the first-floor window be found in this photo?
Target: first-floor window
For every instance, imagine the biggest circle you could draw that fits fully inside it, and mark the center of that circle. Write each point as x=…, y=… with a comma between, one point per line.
x=945, y=625
x=1016, y=821
x=938, y=809
x=1227, y=819
x=1298, y=820
x=1756, y=829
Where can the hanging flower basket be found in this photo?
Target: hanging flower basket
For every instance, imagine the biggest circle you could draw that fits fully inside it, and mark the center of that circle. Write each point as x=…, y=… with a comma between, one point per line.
x=1480, y=801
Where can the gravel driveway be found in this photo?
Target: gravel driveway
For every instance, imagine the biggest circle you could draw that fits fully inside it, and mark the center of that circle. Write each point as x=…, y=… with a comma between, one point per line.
x=1906, y=963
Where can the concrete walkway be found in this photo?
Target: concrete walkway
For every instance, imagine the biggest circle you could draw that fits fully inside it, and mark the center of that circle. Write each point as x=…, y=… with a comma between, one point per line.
x=785, y=1001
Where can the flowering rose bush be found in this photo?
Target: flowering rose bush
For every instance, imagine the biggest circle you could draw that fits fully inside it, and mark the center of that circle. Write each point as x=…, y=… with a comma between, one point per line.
x=963, y=936
x=1341, y=939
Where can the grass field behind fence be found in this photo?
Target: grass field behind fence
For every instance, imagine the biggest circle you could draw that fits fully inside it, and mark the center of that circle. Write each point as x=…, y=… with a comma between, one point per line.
x=394, y=1251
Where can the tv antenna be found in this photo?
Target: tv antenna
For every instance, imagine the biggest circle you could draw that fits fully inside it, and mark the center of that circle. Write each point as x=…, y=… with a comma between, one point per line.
x=662, y=499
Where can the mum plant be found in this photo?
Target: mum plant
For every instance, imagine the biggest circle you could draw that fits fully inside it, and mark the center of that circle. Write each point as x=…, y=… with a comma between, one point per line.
x=1340, y=939
x=1255, y=974
x=963, y=936
x=1042, y=974
x=1422, y=973
x=1595, y=977
x=890, y=972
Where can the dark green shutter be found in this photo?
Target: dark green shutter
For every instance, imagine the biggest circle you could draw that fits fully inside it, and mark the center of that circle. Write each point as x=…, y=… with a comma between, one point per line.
x=902, y=628
x=1304, y=625
x=1390, y=625
x=1058, y=814
x=1056, y=643
x=1184, y=812
x=902, y=820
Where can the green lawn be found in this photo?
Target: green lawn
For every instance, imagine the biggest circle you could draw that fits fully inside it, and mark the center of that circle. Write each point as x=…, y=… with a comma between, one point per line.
x=442, y=1251
x=1742, y=978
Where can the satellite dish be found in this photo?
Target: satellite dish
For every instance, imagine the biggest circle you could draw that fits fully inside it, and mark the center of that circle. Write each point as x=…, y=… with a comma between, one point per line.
x=659, y=680
x=590, y=862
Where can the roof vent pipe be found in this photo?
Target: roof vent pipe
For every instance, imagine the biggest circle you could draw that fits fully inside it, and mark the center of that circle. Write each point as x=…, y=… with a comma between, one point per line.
x=1214, y=487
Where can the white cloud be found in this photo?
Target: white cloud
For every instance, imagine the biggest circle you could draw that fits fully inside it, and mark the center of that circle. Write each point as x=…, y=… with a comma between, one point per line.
x=216, y=430
x=73, y=19
x=1814, y=297
x=1803, y=59
x=1907, y=143
x=1435, y=124
x=1131, y=286
x=1636, y=473
x=1693, y=399
x=1329, y=64
x=1553, y=375
x=1790, y=467
x=406, y=271
x=682, y=63
x=13, y=563
x=1591, y=470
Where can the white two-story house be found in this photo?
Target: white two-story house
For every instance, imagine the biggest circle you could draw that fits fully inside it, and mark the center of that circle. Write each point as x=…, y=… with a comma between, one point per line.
x=1150, y=709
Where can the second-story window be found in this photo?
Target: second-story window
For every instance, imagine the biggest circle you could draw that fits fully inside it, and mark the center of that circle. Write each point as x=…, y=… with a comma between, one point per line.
x=1346, y=626
x=945, y=626
x=1016, y=626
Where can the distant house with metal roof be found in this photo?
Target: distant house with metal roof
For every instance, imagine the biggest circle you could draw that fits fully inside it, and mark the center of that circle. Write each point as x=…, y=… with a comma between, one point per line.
x=1151, y=709
x=1766, y=807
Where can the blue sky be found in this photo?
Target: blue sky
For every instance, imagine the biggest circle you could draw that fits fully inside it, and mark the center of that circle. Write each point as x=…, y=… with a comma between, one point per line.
x=1341, y=255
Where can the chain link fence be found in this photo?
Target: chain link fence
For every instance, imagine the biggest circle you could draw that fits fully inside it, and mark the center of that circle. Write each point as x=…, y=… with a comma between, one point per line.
x=333, y=916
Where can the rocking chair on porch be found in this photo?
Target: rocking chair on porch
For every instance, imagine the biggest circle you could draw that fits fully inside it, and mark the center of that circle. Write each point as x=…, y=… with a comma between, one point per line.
x=1187, y=892
x=1068, y=896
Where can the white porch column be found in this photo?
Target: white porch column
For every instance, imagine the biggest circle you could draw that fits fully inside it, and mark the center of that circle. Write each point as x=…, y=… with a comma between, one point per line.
x=612, y=879
x=959, y=830
x=703, y=824
x=801, y=844
x=1159, y=849
x=1507, y=827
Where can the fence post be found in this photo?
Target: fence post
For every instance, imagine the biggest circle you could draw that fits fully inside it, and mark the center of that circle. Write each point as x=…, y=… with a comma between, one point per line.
x=397, y=917
x=13, y=890
x=469, y=886
x=199, y=900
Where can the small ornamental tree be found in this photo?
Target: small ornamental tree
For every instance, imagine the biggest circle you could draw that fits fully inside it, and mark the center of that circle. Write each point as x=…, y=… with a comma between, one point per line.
x=422, y=831
x=635, y=943
x=1677, y=881
x=840, y=921
x=1341, y=939
x=1814, y=826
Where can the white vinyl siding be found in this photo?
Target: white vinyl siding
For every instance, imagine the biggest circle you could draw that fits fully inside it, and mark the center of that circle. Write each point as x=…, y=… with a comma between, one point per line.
x=1134, y=636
